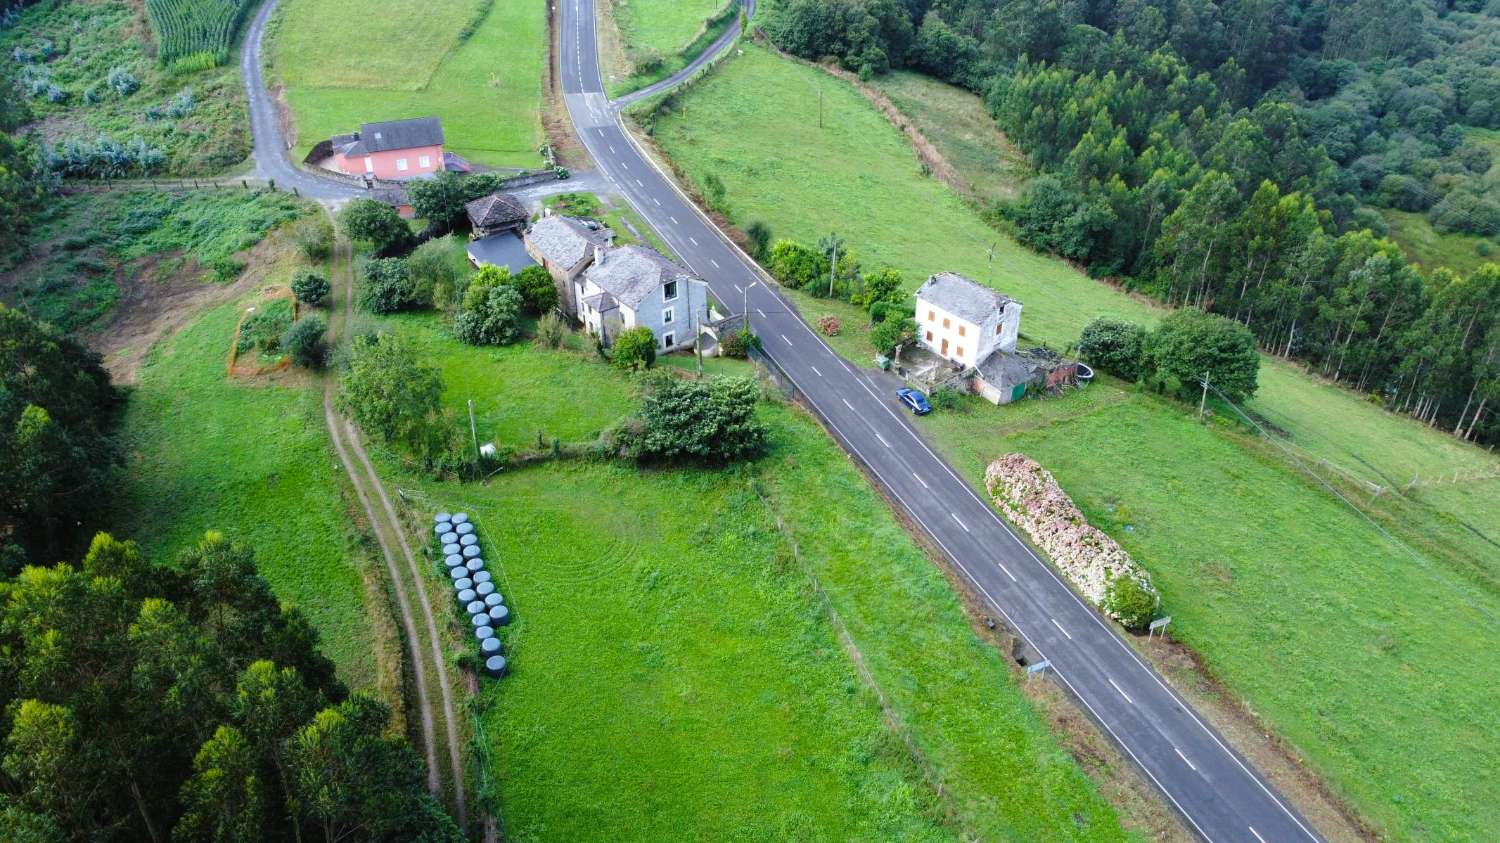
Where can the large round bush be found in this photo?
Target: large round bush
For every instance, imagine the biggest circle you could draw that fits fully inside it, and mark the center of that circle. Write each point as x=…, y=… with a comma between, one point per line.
x=634, y=349
x=1113, y=346
x=1191, y=344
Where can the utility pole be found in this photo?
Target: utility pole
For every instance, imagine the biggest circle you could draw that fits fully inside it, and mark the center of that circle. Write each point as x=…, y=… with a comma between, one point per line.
x=820, y=106
x=1204, y=400
x=474, y=432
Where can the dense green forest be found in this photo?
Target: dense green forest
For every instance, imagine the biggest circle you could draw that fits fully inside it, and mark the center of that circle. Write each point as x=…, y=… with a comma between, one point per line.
x=1232, y=157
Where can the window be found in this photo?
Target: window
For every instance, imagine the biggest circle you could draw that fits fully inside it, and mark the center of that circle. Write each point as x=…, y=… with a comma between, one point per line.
x=997, y=329
x=960, y=351
x=929, y=336
x=401, y=164
x=369, y=164
x=669, y=292
x=668, y=340
x=960, y=330
x=666, y=316
x=424, y=162
x=931, y=316
x=945, y=322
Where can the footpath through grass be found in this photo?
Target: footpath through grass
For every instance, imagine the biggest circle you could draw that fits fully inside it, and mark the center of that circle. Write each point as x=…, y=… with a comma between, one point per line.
x=1319, y=624
x=675, y=673
x=344, y=63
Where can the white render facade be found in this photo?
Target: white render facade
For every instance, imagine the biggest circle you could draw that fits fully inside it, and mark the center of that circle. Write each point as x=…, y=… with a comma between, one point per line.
x=964, y=321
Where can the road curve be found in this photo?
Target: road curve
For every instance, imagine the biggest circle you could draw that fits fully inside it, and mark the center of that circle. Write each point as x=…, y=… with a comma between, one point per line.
x=1212, y=788
x=730, y=35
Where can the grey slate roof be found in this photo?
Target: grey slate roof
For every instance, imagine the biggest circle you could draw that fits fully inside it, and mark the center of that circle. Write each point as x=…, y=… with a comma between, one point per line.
x=391, y=134
x=495, y=209
x=601, y=302
x=631, y=273
x=962, y=296
x=564, y=240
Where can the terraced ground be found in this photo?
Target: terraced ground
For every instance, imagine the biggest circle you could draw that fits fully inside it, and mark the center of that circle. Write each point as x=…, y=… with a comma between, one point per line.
x=1246, y=544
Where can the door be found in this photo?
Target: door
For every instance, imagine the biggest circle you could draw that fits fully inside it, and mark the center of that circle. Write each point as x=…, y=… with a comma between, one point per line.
x=369, y=164
x=944, y=352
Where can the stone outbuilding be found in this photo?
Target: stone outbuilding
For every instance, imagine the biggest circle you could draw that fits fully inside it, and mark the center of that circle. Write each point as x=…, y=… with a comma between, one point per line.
x=497, y=213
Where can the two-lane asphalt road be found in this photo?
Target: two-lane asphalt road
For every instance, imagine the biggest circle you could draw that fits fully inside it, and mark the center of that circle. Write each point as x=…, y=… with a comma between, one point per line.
x=1212, y=788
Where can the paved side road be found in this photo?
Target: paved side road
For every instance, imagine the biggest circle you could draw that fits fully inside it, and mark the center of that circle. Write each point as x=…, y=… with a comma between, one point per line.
x=1213, y=789
x=269, y=146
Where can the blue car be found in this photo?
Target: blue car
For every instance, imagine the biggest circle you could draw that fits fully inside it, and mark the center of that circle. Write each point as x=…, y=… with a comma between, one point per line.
x=914, y=400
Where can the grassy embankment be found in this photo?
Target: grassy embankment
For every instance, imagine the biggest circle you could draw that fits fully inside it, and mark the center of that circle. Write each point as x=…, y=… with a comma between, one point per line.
x=1245, y=548
x=247, y=457
x=93, y=37
x=675, y=671
x=1425, y=245
x=649, y=40
x=344, y=63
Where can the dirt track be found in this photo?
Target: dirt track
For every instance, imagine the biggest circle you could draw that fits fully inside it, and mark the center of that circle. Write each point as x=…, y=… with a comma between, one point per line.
x=423, y=642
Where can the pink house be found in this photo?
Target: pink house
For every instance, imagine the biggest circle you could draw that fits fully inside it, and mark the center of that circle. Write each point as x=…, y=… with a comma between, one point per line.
x=396, y=149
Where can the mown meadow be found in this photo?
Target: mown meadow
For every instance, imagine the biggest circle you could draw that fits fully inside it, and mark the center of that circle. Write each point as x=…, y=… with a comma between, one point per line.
x=652, y=39
x=677, y=666
x=476, y=64
x=1340, y=620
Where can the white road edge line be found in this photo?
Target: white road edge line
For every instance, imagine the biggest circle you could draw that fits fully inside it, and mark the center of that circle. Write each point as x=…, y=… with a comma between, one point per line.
x=1060, y=628
x=1185, y=760
x=1121, y=690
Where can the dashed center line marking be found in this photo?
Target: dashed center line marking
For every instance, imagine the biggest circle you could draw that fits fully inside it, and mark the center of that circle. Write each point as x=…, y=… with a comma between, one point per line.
x=1007, y=571
x=920, y=480
x=739, y=289
x=611, y=150
x=657, y=201
x=672, y=218
x=1060, y=628
x=761, y=312
x=1122, y=693
x=694, y=239
x=815, y=371
x=960, y=523
x=1185, y=760
x=846, y=403
x=887, y=444
x=716, y=265
x=785, y=340
x=1256, y=833
x=639, y=183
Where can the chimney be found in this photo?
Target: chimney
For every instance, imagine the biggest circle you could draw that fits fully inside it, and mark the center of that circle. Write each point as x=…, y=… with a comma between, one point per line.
x=598, y=255
x=547, y=211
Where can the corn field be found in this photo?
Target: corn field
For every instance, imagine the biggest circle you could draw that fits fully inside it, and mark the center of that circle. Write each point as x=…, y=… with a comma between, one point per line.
x=201, y=29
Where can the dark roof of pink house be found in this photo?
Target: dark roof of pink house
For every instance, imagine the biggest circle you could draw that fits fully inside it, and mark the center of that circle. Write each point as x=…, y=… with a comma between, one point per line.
x=391, y=134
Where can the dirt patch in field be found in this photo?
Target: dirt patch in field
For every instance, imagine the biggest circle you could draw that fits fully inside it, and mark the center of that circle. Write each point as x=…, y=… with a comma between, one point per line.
x=159, y=295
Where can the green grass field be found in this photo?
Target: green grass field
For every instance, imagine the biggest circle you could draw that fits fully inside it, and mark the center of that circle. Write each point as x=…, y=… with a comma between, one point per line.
x=250, y=459
x=1363, y=659
x=1217, y=502
x=96, y=36
x=1429, y=248
x=957, y=123
x=675, y=673
x=401, y=58
x=664, y=26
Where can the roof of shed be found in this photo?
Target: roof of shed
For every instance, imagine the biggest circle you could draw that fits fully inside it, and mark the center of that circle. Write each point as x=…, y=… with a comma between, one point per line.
x=631, y=273
x=495, y=209
x=962, y=296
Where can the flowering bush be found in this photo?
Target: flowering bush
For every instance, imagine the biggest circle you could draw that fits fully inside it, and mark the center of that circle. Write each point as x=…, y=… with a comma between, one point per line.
x=1030, y=497
x=829, y=325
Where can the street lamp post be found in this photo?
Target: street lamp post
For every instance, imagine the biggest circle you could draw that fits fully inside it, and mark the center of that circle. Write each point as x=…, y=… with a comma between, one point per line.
x=745, y=313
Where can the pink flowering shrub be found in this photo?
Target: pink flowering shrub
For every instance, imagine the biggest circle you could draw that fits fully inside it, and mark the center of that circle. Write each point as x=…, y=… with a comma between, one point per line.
x=829, y=325
x=1030, y=498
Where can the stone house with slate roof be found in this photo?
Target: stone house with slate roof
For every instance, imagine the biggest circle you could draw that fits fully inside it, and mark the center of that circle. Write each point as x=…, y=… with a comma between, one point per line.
x=395, y=149
x=975, y=328
x=564, y=246
x=638, y=286
x=497, y=213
